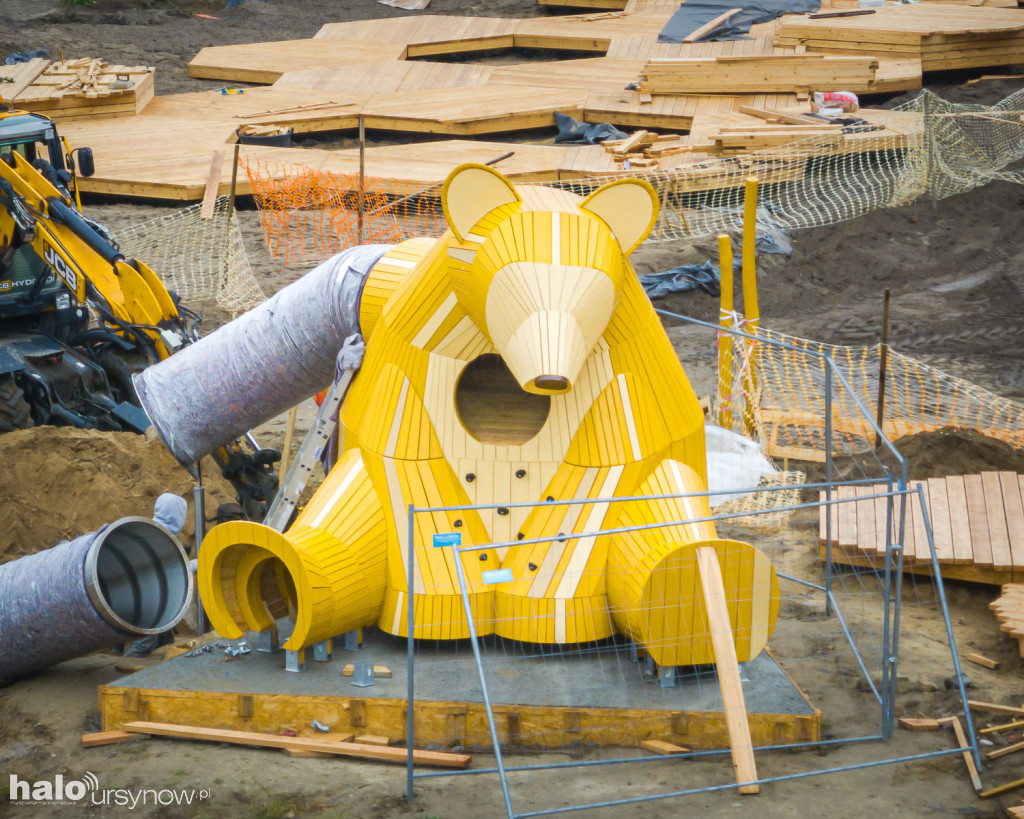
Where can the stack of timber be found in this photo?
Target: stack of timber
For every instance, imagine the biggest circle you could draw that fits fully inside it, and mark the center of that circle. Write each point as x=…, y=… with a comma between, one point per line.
x=644, y=149
x=759, y=74
x=942, y=37
x=757, y=129
x=977, y=524
x=87, y=89
x=1009, y=611
x=16, y=78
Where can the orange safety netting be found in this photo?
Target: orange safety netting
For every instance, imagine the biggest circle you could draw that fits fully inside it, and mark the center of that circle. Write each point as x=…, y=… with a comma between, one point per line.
x=309, y=215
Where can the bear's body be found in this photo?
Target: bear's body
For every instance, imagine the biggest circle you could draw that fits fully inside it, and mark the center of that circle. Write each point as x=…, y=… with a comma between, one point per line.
x=517, y=360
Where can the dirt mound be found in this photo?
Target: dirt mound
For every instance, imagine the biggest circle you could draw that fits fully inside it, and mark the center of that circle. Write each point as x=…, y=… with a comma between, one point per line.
x=61, y=482
x=949, y=451
x=953, y=451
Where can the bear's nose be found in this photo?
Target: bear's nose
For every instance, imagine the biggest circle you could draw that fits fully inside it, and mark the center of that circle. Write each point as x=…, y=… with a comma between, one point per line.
x=551, y=383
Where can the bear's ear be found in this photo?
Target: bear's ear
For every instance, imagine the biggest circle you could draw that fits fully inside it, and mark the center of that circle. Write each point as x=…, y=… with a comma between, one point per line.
x=628, y=206
x=472, y=191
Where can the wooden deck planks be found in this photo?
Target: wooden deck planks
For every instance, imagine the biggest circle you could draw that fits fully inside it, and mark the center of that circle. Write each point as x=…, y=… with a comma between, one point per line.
x=977, y=523
x=977, y=519
x=848, y=531
x=386, y=78
x=867, y=536
x=1009, y=611
x=998, y=534
x=938, y=513
x=22, y=75
x=922, y=544
x=959, y=520
x=589, y=73
x=266, y=62
x=363, y=68
x=475, y=110
x=426, y=28
x=943, y=36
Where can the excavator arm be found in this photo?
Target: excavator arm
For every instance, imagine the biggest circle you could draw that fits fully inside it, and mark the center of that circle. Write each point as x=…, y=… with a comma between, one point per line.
x=126, y=297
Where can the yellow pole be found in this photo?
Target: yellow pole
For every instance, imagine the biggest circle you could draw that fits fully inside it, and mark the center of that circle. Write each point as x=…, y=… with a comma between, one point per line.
x=725, y=340
x=752, y=315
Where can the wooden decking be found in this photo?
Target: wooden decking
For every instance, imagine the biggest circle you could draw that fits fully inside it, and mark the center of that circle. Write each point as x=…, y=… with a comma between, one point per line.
x=977, y=524
x=391, y=73
x=943, y=37
x=78, y=89
x=1009, y=611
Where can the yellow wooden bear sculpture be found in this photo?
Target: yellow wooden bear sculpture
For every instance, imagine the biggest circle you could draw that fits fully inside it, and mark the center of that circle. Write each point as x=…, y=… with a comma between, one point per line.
x=515, y=359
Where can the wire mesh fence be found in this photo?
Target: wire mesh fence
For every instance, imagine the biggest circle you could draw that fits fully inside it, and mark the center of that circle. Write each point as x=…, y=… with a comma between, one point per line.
x=643, y=682
x=775, y=394
x=928, y=146
x=197, y=257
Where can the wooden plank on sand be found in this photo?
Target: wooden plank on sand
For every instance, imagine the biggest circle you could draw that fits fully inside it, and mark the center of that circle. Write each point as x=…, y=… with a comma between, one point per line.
x=385, y=754
x=728, y=668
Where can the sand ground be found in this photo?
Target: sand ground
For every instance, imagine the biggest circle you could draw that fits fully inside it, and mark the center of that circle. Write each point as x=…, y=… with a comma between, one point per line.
x=954, y=268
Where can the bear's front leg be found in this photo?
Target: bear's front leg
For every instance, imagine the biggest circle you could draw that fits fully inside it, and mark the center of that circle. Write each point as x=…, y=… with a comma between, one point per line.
x=654, y=586
x=330, y=567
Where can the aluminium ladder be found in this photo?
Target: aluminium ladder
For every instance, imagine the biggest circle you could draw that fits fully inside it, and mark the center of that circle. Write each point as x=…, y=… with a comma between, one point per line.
x=308, y=455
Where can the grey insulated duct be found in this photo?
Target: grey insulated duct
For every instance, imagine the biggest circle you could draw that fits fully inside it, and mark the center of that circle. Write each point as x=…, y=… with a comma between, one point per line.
x=259, y=365
x=129, y=579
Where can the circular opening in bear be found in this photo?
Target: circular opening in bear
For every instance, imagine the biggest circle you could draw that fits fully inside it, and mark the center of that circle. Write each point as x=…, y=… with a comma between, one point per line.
x=492, y=406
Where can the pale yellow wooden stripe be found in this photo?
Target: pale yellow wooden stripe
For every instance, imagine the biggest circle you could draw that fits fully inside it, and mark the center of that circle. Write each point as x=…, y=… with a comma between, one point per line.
x=761, y=601
x=581, y=554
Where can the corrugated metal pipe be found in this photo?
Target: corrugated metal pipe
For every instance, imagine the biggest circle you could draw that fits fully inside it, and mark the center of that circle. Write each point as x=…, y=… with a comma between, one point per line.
x=259, y=365
x=129, y=579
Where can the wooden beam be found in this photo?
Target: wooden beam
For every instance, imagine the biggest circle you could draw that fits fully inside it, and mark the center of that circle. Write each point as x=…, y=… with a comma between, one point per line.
x=373, y=739
x=105, y=738
x=296, y=754
x=993, y=708
x=779, y=116
x=914, y=724
x=630, y=143
x=212, y=186
x=1009, y=749
x=1009, y=726
x=1001, y=789
x=981, y=659
x=384, y=754
x=728, y=668
x=657, y=746
x=710, y=26
x=961, y=738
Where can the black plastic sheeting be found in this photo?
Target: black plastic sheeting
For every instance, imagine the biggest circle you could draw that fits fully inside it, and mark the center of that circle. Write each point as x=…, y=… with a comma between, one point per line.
x=23, y=57
x=707, y=276
x=680, y=279
x=584, y=133
x=695, y=13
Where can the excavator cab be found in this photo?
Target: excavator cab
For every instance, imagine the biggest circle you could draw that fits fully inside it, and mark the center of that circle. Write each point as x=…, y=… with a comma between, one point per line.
x=77, y=318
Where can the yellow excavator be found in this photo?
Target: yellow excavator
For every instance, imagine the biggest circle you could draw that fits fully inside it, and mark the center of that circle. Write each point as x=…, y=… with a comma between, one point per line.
x=77, y=318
